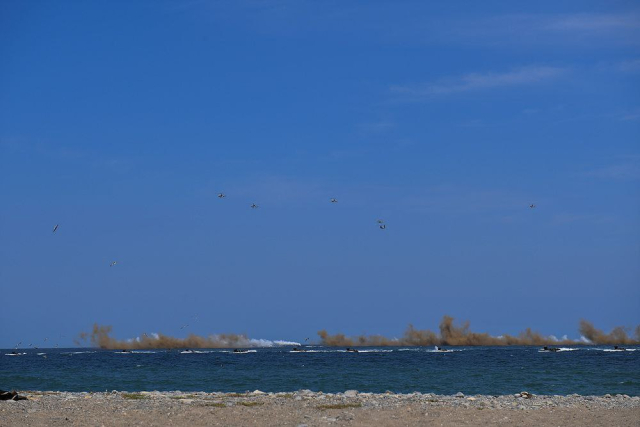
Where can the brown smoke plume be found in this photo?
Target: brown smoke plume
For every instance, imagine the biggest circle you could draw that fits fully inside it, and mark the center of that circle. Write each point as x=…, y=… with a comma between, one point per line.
x=100, y=337
x=617, y=336
x=452, y=335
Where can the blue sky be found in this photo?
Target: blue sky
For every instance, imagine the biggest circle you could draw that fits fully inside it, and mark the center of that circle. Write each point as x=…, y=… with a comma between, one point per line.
x=122, y=121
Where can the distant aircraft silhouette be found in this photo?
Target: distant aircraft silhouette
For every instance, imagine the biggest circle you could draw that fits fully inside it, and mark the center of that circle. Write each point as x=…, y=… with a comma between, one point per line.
x=55, y=228
x=334, y=200
x=113, y=263
x=253, y=206
x=221, y=195
x=532, y=206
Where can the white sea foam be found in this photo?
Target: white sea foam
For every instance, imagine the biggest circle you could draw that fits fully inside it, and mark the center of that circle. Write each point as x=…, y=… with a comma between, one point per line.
x=15, y=354
x=558, y=350
x=268, y=343
x=285, y=343
x=77, y=352
x=433, y=350
x=342, y=351
x=437, y=349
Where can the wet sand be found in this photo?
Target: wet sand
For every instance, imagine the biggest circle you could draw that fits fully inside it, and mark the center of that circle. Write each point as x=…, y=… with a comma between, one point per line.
x=306, y=408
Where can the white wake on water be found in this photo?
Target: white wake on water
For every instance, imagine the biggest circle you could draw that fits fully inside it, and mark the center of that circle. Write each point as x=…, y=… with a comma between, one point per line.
x=268, y=343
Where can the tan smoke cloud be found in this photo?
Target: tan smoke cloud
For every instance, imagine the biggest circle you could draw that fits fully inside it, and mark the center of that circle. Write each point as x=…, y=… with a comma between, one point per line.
x=617, y=336
x=452, y=335
x=100, y=337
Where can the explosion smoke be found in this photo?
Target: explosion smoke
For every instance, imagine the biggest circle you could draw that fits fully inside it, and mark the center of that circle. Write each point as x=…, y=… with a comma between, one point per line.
x=617, y=336
x=99, y=337
x=452, y=335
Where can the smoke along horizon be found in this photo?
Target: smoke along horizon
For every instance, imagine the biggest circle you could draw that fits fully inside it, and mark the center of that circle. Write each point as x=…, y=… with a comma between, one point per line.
x=100, y=337
x=449, y=335
x=452, y=335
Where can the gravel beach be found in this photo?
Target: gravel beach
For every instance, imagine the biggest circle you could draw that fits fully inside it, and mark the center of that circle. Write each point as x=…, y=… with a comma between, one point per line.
x=307, y=408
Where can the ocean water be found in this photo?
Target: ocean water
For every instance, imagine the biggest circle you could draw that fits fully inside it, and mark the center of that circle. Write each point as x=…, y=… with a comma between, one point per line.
x=471, y=370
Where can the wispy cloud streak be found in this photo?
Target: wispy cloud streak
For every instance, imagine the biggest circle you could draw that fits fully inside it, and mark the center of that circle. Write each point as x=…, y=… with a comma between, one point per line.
x=479, y=81
x=593, y=22
x=587, y=29
x=622, y=171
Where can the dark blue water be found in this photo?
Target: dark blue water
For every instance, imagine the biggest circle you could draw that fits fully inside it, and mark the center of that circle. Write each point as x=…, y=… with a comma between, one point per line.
x=471, y=370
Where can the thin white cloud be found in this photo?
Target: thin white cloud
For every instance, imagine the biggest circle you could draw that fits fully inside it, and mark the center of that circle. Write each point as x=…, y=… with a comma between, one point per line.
x=631, y=66
x=376, y=127
x=421, y=23
x=626, y=168
x=628, y=66
x=454, y=200
x=479, y=81
x=577, y=29
x=593, y=22
x=569, y=218
x=631, y=116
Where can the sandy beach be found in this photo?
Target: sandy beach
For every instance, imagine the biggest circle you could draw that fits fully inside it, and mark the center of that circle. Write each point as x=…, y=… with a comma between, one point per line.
x=306, y=408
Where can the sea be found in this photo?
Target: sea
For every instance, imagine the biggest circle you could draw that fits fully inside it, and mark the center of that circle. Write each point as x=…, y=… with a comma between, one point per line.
x=585, y=370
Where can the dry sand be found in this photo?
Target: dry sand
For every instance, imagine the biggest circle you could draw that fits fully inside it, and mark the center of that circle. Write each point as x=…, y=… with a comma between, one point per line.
x=306, y=408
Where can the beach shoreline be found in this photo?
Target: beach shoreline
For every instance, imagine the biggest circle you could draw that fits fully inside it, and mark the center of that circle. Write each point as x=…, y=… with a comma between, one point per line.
x=305, y=407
